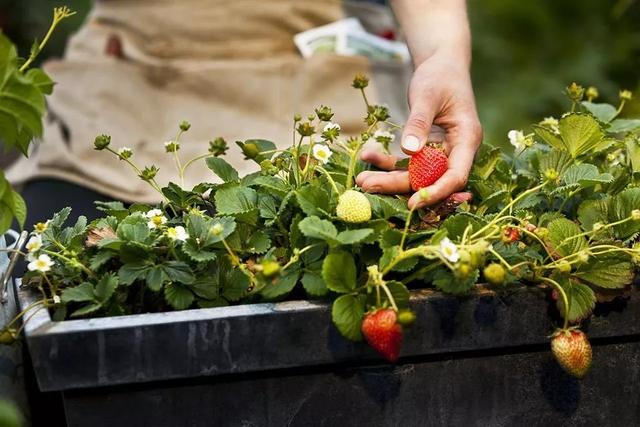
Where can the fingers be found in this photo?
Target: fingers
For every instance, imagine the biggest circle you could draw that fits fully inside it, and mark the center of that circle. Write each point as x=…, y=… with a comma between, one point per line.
x=417, y=127
x=378, y=159
x=394, y=182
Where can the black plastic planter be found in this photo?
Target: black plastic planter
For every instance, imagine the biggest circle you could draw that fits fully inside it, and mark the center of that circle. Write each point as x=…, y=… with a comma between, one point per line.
x=482, y=360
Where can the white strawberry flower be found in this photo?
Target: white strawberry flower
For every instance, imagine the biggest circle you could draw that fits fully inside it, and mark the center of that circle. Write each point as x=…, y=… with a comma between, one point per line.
x=177, y=233
x=156, y=218
x=516, y=138
x=34, y=244
x=42, y=264
x=322, y=153
x=449, y=250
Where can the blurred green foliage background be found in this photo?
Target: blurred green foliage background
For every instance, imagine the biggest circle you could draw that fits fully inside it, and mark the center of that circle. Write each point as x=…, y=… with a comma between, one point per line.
x=525, y=52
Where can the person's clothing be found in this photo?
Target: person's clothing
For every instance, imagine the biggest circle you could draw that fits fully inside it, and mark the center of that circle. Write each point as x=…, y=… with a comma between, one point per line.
x=228, y=67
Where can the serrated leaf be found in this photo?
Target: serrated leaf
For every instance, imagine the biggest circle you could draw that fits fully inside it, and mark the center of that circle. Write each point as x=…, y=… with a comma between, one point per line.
x=351, y=237
x=339, y=271
x=313, y=284
x=581, y=133
x=565, y=237
x=602, y=111
x=282, y=286
x=550, y=138
x=456, y=224
x=311, y=200
x=317, y=228
x=222, y=169
x=131, y=272
x=105, y=287
x=235, y=200
x=100, y=259
x=444, y=280
x=347, y=313
x=554, y=160
x=585, y=174
x=87, y=309
x=582, y=300
x=81, y=293
x=624, y=125
x=155, y=277
x=177, y=296
x=258, y=243
x=272, y=184
x=610, y=271
x=178, y=271
x=234, y=284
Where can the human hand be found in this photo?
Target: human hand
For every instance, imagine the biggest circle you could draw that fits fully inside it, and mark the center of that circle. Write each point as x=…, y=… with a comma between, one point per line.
x=441, y=94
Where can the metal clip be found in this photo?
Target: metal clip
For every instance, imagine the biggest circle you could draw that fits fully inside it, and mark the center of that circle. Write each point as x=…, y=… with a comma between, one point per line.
x=4, y=280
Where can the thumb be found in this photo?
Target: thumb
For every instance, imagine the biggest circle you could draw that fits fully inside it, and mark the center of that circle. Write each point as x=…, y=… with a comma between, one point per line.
x=417, y=128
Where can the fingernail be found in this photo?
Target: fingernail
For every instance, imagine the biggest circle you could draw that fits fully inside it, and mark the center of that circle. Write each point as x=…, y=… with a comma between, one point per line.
x=411, y=143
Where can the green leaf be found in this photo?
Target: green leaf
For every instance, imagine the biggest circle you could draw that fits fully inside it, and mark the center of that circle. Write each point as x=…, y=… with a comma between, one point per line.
x=585, y=174
x=317, y=228
x=100, y=259
x=582, y=300
x=624, y=125
x=282, y=286
x=81, y=293
x=131, y=272
x=620, y=207
x=178, y=271
x=311, y=199
x=603, y=112
x=313, y=284
x=87, y=309
x=347, y=314
x=554, y=160
x=235, y=284
x=196, y=253
x=456, y=224
x=339, y=271
x=177, y=296
x=564, y=236
x=6, y=217
x=106, y=287
x=609, y=271
x=272, y=184
x=236, y=200
x=387, y=206
x=19, y=208
x=351, y=237
x=267, y=206
x=222, y=169
x=263, y=146
x=444, y=280
x=581, y=133
x=258, y=243
x=155, y=278
x=550, y=138
x=40, y=80
x=399, y=292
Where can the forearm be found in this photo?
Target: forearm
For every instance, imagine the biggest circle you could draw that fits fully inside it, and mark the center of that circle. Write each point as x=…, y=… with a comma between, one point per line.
x=435, y=26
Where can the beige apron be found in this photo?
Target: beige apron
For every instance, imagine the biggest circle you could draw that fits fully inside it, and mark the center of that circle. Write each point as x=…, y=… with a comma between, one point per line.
x=228, y=67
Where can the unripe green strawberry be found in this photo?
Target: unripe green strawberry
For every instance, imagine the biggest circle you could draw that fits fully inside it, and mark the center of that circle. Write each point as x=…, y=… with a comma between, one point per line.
x=406, y=317
x=426, y=167
x=572, y=350
x=353, y=206
x=383, y=333
x=494, y=273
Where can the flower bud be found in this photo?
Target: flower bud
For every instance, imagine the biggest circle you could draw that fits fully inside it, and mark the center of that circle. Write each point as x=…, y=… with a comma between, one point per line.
x=218, y=146
x=125, y=153
x=297, y=117
x=551, y=174
x=306, y=129
x=598, y=226
x=324, y=113
x=149, y=173
x=575, y=92
x=360, y=81
x=563, y=266
x=625, y=95
x=592, y=93
x=171, y=146
x=185, y=125
x=101, y=142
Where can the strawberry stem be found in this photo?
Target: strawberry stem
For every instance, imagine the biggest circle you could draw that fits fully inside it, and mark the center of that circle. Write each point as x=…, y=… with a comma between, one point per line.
x=565, y=299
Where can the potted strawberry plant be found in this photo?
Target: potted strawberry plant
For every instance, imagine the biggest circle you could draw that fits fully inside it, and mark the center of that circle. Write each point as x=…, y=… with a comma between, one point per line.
x=280, y=280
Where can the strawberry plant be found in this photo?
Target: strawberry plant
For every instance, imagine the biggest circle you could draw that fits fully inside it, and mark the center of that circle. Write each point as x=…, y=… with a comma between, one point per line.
x=22, y=106
x=562, y=213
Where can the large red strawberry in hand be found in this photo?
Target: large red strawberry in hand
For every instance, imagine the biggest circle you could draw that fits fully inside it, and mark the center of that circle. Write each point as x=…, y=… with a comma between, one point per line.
x=426, y=167
x=382, y=331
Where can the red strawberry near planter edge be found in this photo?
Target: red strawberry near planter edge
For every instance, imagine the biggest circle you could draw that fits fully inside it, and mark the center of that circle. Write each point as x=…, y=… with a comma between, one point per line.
x=383, y=333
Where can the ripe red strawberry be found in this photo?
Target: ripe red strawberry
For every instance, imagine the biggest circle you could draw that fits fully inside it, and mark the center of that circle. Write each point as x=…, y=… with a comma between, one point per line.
x=572, y=350
x=382, y=331
x=510, y=234
x=426, y=167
